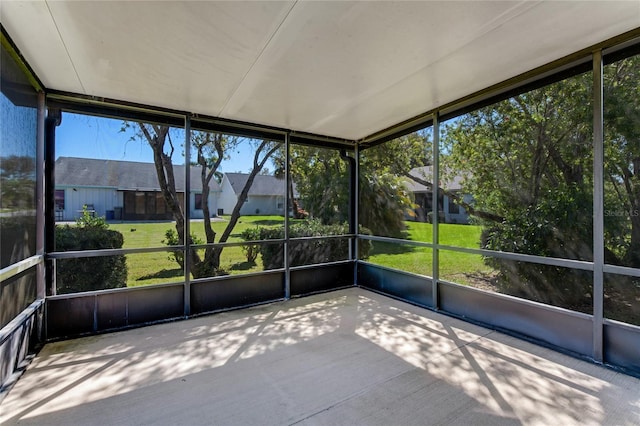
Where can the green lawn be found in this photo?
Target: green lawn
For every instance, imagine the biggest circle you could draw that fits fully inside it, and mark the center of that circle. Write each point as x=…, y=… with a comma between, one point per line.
x=151, y=234
x=156, y=268
x=453, y=266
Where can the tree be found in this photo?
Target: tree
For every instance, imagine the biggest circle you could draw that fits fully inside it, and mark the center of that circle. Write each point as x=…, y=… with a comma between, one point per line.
x=622, y=161
x=264, y=150
x=413, y=151
x=210, y=151
x=528, y=161
x=384, y=201
x=322, y=179
x=384, y=170
x=280, y=163
x=17, y=181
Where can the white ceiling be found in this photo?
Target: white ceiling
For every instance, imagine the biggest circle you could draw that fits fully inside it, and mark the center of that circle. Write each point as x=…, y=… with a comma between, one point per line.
x=336, y=68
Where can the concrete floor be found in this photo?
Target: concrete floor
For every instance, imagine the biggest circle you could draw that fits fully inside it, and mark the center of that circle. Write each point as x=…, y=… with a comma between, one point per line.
x=342, y=358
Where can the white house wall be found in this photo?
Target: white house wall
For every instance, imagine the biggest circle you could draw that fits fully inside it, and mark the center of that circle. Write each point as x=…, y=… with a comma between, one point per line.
x=108, y=199
x=262, y=205
x=228, y=198
x=212, y=202
x=103, y=199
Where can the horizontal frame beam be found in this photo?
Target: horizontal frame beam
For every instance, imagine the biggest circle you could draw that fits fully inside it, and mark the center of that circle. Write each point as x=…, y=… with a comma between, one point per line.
x=19, y=267
x=112, y=108
x=552, y=261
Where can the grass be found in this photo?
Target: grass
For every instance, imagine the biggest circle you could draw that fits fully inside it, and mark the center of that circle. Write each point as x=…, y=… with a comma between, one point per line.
x=159, y=267
x=151, y=234
x=461, y=268
x=458, y=267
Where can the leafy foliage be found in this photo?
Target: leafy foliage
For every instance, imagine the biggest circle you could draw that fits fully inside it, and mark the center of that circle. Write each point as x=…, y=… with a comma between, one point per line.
x=308, y=252
x=622, y=161
x=171, y=239
x=211, y=149
x=553, y=229
x=528, y=161
x=385, y=202
x=89, y=273
x=251, y=251
x=321, y=177
x=91, y=221
x=17, y=182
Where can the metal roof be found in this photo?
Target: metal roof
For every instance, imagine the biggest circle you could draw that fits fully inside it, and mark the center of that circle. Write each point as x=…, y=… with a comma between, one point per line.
x=338, y=68
x=262, y=184
x=121, y=175
x=425, y=173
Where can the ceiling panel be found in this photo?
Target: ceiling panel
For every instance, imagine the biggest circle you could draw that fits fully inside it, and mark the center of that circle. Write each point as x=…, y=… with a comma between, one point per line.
x=328, y=61
x=345, y=69
x=32, y=29
x=184, y=55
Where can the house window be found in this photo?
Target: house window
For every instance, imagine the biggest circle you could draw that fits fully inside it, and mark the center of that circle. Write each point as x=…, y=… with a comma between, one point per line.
x=59, y=197
x=198, y=202
x=160, y=204
x=140, y=206
x=279, y=203
x=453, y=207
x=147, y=205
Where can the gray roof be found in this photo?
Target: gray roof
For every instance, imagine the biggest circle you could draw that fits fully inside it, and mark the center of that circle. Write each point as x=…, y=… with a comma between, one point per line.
x=122, y=175
x=426, y=173
x=262, y=184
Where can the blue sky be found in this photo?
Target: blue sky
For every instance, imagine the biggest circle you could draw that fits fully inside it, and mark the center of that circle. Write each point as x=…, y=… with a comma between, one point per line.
x=94, y=137
x=87, y=136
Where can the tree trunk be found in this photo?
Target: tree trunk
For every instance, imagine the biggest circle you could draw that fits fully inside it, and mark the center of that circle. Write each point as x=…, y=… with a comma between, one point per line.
x=210, y=234
x=258, y=164
x=166, y=179
x=295, y=208
x=210, y=265
x=633, y=253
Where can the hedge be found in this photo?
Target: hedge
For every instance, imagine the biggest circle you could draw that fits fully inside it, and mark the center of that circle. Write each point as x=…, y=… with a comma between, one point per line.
x=89, y=273
x=307, y=252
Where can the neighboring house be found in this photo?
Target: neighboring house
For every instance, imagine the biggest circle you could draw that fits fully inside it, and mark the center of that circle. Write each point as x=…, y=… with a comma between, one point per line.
x=266, y=195
x=423, y=197
x=124, y=190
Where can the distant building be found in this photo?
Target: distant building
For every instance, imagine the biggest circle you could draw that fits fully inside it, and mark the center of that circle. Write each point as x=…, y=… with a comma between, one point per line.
x=124, y=190
x=423, y=197
x=266, y=195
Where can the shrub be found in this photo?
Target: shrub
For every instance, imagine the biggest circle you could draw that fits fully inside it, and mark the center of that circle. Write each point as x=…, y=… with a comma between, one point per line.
x=553, y=228
x=171, y=239
x=251, y=251
x=87, y=220
x=308, y=252
x=18, y=239
x=89, y=273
